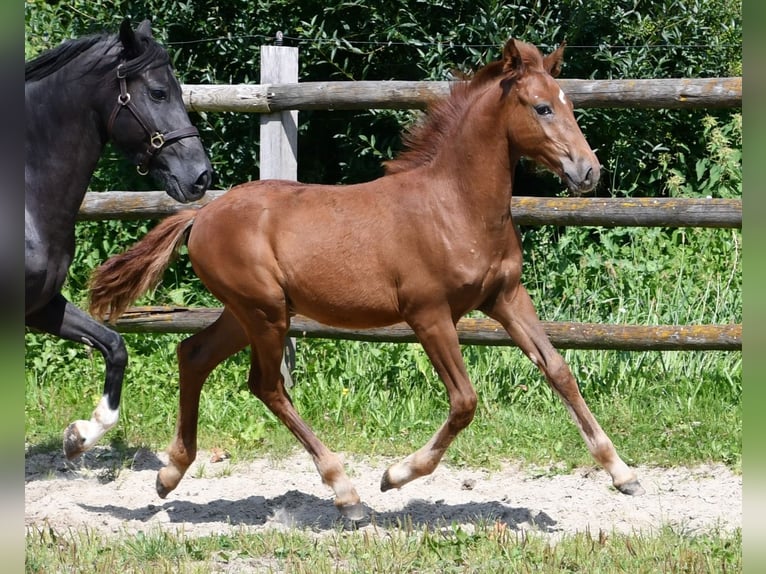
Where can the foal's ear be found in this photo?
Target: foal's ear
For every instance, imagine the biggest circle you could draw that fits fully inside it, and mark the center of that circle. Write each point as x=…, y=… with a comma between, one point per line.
x=552, y=62
x=512, y=62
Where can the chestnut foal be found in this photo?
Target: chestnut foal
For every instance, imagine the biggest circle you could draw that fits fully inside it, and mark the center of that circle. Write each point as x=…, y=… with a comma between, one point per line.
x=426, y=243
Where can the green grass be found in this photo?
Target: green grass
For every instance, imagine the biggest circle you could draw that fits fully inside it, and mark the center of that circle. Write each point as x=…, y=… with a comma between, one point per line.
x=489, y=547
x=661, y=408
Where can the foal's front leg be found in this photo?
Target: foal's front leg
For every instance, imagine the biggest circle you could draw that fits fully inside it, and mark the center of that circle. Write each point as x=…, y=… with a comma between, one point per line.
x=517, y=314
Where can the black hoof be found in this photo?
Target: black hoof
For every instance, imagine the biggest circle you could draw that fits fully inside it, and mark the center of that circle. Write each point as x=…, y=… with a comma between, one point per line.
x=73, y=442
x=385, y=483
x=632, y=488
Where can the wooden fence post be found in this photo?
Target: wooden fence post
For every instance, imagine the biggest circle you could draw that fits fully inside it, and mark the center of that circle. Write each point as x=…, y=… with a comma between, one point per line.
x=279, y=143
x=279, y=131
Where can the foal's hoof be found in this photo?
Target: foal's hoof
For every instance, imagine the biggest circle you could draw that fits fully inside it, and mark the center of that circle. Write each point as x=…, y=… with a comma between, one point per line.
x=353, y=512
x=73, y=442
x=385, y=482
x=162, y=490
x=633, y=488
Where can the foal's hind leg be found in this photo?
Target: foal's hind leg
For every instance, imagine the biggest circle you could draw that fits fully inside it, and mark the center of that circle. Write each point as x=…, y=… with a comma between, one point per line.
x=518, y=316
x=267, y=340
x=197, y=357
x=60, y=317
x=439, y=339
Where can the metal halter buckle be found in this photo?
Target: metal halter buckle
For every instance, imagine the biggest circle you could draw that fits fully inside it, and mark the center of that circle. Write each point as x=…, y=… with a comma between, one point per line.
x=157, y=140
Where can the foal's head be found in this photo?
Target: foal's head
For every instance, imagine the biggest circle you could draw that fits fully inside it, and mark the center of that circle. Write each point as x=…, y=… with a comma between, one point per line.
x=540, y=117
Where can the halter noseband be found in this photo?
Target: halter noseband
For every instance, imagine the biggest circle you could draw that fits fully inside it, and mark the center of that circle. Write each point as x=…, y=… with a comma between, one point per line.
x=157, y=139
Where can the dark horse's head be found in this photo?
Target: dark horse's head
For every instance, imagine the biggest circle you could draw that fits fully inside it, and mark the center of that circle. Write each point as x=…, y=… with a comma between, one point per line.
x=149, y=122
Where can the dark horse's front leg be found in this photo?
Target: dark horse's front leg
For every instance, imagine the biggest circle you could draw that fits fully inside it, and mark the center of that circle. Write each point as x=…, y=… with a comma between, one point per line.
x=61, y=318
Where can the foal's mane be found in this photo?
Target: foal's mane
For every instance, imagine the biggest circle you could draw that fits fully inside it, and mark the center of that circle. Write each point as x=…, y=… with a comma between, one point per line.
x=56, y=58
x=423, y=140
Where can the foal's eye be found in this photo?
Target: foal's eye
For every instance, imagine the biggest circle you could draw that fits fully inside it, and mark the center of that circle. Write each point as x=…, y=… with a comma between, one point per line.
x=543, y=110
x=159, y=95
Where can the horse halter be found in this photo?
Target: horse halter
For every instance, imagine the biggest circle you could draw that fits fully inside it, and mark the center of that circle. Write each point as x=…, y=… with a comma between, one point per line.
x=157, y=139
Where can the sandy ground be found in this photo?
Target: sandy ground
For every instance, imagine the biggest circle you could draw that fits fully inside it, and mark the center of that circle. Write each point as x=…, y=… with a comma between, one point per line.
x=103, y=493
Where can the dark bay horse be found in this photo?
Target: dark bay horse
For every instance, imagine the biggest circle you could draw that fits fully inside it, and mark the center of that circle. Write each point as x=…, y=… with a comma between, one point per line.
x=428, y=242
x=78, y=96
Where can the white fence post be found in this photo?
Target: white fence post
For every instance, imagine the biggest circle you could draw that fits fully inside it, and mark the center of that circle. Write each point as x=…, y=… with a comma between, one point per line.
x=279, y=143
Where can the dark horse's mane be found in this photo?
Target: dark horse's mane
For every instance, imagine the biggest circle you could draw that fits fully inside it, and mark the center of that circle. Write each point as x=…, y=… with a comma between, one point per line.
x=56, y=58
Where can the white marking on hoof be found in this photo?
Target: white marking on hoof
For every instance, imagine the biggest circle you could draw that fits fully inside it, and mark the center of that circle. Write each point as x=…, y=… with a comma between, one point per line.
x=104, y=415
x=102, y=419
x=89, y=433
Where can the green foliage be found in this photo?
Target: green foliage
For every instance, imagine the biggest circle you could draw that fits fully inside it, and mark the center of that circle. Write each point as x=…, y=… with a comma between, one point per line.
x=218, y=42
x=718, y=172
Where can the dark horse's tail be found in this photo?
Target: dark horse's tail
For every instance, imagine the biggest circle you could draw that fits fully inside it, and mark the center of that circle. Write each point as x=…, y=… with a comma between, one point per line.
x=122, y=279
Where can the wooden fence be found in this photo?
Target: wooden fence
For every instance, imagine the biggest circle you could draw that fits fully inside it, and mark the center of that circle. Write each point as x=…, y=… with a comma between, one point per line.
x=280, y=99
x=268, y=98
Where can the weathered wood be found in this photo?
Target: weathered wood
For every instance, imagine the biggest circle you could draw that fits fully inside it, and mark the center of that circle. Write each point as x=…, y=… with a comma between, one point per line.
x=656, y=93
x=643, y=93
x=471, y=331
x=606, y=212
x=634, y=212
x=279, y=130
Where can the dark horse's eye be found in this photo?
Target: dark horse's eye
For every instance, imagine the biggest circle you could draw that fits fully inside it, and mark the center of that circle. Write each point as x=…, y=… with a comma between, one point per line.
x=160, y=95
x=543, y=110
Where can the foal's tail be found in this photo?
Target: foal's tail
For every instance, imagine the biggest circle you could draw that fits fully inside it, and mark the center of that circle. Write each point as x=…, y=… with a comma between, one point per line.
x=122, y=279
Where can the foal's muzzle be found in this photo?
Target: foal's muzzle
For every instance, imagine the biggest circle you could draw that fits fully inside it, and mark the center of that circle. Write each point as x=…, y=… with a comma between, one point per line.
x=581, y=176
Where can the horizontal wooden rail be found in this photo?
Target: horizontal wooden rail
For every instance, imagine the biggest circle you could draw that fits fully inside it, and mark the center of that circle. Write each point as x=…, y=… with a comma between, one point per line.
x=471, y=331
x=394, y=94
x=606, y=212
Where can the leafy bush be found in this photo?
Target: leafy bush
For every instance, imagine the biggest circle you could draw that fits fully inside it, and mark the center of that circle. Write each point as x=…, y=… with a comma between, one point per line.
x=218, y=42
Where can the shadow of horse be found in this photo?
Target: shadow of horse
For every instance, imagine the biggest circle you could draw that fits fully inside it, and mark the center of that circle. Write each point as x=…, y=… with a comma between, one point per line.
x=299, y=510
x=41, y=462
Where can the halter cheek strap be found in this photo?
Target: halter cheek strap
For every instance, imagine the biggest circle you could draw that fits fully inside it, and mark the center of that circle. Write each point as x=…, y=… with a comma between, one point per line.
x=157, y=139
